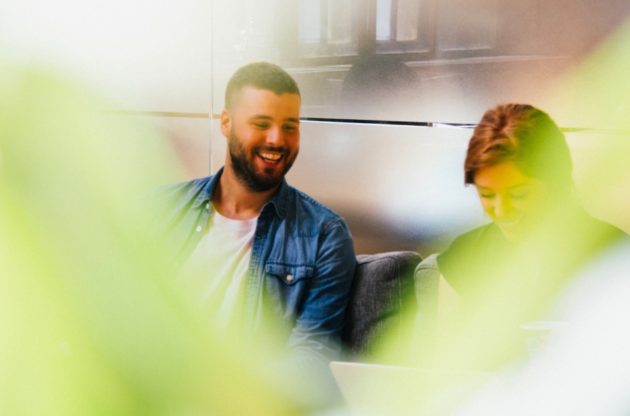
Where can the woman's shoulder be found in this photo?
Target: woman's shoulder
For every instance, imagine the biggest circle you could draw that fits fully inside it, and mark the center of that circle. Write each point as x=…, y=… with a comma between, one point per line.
x=478, y=238
x=470, y=254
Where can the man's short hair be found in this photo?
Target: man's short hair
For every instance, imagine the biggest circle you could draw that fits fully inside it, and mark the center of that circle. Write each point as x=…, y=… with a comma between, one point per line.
x=261, y=75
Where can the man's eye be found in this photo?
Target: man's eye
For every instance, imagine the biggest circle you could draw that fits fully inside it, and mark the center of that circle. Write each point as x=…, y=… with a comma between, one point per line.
x=290, y=128
x=261, y=125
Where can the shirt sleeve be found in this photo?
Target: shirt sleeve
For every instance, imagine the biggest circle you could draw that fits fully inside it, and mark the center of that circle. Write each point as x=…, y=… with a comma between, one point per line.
x=318, y=327
x=315, y=338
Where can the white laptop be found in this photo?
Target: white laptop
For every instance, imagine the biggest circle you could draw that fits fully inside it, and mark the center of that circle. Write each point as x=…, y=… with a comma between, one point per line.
x=375, y=389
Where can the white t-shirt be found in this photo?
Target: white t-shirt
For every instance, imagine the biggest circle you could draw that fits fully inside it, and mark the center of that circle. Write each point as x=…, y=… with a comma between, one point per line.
x=217, y=268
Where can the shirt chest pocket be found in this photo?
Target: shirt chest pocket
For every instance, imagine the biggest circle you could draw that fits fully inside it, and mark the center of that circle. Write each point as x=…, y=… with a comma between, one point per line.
x=287, y=286
x=288, y=274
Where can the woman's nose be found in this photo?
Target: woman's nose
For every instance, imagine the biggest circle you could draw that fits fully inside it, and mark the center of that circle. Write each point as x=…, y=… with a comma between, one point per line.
x=502, y=207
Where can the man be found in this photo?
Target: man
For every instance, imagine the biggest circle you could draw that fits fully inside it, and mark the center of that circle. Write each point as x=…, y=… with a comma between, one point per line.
x=258, y=247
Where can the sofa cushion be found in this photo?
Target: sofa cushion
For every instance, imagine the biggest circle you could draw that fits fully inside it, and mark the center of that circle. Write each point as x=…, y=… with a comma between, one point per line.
x=383, y=288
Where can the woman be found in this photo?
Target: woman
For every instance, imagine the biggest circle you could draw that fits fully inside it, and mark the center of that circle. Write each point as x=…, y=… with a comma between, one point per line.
x=506, y=273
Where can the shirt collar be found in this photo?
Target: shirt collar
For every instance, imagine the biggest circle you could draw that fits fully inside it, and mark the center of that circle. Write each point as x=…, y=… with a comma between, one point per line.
x=205, y=195
x=278, y=201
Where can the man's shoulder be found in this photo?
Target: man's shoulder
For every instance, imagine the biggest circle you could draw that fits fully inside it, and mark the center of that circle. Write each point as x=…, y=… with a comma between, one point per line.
x=307, y=205
x=308, y=214
x=174, y=198
x=191, y=186
x=185, y=192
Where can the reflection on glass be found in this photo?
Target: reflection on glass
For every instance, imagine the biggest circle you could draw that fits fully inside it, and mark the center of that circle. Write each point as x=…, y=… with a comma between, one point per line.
x=339, y=21
x=407, y=20
x=310, y=21
x=467, y=24
x=326, y=28
x=383, y=19
x=530, y=42
x=403, y=26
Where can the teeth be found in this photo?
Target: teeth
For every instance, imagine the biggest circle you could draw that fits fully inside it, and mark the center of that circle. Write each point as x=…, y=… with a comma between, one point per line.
x=270, y=156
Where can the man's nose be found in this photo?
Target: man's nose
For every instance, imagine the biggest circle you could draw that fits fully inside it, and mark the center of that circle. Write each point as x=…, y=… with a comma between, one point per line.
x=275, y=137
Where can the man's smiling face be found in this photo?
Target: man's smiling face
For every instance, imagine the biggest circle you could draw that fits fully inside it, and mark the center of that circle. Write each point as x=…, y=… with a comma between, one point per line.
x=263, y=131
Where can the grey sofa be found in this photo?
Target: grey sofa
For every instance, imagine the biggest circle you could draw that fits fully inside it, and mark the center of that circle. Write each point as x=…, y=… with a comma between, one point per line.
x=382, y=294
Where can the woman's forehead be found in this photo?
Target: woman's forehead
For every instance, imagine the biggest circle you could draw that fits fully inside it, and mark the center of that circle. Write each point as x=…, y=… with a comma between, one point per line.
x=502, y=175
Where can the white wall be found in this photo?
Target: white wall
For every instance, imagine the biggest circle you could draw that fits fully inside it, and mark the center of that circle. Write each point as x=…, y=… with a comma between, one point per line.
x=142, y=55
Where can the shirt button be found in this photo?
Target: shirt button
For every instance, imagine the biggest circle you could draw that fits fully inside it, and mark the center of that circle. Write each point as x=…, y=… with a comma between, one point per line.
x=198, y=229
x=289, y=278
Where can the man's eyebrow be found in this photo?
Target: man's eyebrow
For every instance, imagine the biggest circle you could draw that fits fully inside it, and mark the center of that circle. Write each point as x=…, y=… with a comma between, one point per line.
x=265, y=117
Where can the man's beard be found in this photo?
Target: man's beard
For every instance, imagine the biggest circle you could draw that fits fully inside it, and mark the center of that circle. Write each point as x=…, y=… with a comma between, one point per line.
x=245, y=170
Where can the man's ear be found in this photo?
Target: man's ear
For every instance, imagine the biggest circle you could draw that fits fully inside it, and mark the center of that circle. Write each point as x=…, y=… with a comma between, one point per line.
x=226, y=123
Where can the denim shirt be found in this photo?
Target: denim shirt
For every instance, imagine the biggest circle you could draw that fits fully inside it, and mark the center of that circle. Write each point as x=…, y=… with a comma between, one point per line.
x=302, y=261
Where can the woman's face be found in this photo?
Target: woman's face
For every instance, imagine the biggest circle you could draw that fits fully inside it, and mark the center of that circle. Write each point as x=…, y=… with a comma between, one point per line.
x=513, y=200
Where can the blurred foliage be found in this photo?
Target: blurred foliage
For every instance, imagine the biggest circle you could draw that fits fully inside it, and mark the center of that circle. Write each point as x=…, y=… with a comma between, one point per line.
x=90, y=318
x=487, y=336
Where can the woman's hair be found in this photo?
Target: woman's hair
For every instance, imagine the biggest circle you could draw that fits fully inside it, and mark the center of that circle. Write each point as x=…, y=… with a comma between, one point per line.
x=524, y=135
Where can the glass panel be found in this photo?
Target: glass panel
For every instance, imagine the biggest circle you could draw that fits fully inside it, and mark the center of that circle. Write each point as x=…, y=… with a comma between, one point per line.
x=601, y=174
x=407, y=20
x=402, y=187
x=527, y=47
x=379, y=87
x=189, y=141
x=340, y=21
x=383, y=19
x=143, y=55
x=310, y=21
x=397, y=187
x=467, y=24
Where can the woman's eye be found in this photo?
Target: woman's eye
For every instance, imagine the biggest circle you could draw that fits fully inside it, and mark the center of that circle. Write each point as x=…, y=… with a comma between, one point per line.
x=486, y=195
x=519, y=195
